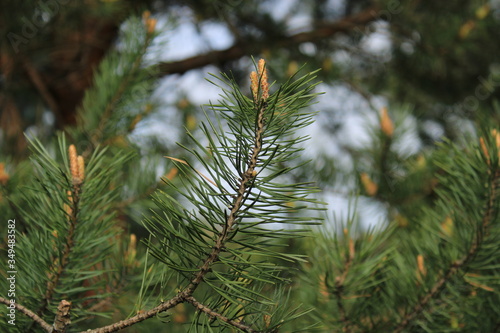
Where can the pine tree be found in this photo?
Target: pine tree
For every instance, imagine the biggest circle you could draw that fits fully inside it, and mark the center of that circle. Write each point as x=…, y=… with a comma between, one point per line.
x=213, y=245
x=217, y=244
x=432, y=267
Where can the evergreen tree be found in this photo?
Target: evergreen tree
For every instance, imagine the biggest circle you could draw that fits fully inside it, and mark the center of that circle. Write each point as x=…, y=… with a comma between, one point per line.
x=216, y=254
x=217, y=244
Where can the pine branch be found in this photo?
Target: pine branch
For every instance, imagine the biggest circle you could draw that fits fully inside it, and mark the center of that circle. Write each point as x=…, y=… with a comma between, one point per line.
x=118, y=94
x=244, y=185
x=339, y=287
x=213, y=314
x=457, y=265
x=179, y=298
x=61, y=263
x=38, y=81
x=43, y=324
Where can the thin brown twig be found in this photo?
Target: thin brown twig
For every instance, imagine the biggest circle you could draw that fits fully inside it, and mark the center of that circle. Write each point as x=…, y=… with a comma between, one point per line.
x=245, y=184
x=60, y=263
x=198, y=172
x=214, y=314
x=98, y=133
x=458, y=264
x=40, y=85
x=179, y=298
x=241, y=49
x=43, y=324
x=339, y=287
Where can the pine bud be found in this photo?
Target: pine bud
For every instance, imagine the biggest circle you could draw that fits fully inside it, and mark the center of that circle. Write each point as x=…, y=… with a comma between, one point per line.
x=4, y=176
x=496, y=137
x=73, y=165
x=422, y=271
x=483, y=11
x=67, y=208
x=370, y=187
x=151, y=25
x=255, y=78
x=447, y=226
x=264, y=84
x=81, y=168
x=254, y=86
x=132, y=250
x=466, y=28
x=149, y=22
x=386, y=124
x=484, y=149
x=352, y=249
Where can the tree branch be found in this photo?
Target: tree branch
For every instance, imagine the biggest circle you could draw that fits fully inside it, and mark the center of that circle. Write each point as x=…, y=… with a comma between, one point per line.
x=38, y=82
x=245, y=184
x=239, y=50
x=211, y=313
x=30, y=314
x=179, y=298
x=457, y=264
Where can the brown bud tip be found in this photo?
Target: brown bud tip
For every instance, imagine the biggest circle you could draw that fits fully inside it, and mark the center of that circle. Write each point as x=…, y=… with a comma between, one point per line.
x=352, y=249
x=484, y=149
x=4, y=176
x=254, y=86
x=447, y=226
x=264, y=84
x=386, y=124
x=151, y=25
x=81, y=167
x=496, y=136
x=421, y=265
x=370, y=187
x=73, y=161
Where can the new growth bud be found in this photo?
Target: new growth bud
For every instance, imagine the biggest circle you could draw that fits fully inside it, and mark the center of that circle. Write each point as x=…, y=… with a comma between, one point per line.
x=254, y=86
x=370, y=187
x=76, y=166
x=73, y=162
x=4, y=176
x=81, y=167
x=264, y=84
x=386, y=124
x=149, y=22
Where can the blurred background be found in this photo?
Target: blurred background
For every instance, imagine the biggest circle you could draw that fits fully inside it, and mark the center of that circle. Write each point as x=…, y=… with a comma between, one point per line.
x=433, y=66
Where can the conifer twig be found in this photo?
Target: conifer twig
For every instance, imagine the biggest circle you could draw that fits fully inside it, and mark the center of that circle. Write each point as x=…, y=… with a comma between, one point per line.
x=245, y=183
x=179, y=298
x=339, y=287
x=43, y=324
x=60, y=263
x=110, y=106
x=457, y=264
x=214, y=314
x=239, y=50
